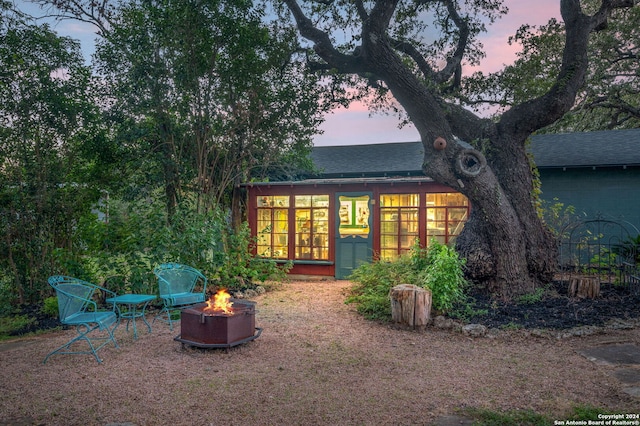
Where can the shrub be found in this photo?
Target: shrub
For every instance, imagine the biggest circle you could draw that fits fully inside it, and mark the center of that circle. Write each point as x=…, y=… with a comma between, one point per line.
x=370, y=293
x=239, y=269
x=444, y=276
x=9, y=325
x=629, y=250
x=438, y=268
x=122, y=253
x=50, y=306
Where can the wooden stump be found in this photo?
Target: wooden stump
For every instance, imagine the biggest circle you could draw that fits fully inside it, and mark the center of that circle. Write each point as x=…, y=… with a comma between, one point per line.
x=584, y=287
x=410, y=305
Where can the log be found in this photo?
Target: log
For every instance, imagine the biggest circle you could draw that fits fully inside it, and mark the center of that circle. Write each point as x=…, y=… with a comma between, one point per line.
x=584, y=288
x=410, y=305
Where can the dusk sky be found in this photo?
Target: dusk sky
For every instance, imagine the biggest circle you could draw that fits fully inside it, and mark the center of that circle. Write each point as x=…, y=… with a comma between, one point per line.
x=354, y=126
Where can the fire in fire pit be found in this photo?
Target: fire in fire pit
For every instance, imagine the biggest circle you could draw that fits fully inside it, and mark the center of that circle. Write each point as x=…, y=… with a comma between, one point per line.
x=220, y=322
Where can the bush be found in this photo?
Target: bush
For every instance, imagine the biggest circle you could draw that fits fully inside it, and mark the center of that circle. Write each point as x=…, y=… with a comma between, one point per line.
x=50, y=307
x=437, y=268
x=239, y=269
x=122, y=253
x=444, y=276
x=370, y=293
x=119, y=245
x=9, y=325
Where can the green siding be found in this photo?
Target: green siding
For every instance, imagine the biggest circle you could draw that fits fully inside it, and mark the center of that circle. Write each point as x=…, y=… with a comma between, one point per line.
x=611, y=192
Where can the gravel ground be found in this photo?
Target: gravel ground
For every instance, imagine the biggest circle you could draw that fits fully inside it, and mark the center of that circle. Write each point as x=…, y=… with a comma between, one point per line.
x=316, y=363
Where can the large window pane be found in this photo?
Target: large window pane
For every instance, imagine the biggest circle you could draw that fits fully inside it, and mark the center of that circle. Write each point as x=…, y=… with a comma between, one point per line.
x=273, y=227
x=398, y=224
x=446, y=216
x=312, y=227
x=354, y=216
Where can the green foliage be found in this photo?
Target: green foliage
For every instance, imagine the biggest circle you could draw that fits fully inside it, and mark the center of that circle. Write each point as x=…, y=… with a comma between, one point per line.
x=47, y=178
x=486, y=417
x=50, y=306
x=7, y=290
x=466, y=308
x=444, y=276
x=603, y=261
x=557, y=216
x=511, y=326
x=201, y=96
x=629, y=250
x=11, y=323
x=531, y=298
x=438, y=268
x=123, y=251
x=240, y=269
x=205, y=95
x=608, y=99
x=372, y=282
x=587, y=412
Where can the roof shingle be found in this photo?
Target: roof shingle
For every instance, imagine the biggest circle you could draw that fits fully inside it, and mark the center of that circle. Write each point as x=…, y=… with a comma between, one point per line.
x=588, y=149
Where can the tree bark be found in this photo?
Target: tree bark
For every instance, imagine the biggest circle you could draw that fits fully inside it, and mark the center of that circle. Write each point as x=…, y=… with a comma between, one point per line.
x=586, y=287
x=410, y=305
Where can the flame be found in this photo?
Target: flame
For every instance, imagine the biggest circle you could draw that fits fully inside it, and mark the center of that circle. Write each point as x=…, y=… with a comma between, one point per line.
x=220, y=302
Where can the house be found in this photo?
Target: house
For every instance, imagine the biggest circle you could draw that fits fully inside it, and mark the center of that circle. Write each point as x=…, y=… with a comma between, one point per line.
x=374, y=200
x=598, y=173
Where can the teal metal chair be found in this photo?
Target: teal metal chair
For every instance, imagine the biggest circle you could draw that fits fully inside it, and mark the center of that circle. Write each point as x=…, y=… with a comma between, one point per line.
x=78, y=307
x=178, y=286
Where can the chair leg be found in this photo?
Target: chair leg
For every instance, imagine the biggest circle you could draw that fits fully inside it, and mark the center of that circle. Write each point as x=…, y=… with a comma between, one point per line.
x=83, y=330
x=166, y=310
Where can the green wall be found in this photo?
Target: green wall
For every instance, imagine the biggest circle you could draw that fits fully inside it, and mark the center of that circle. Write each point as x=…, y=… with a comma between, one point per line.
x=613, y=192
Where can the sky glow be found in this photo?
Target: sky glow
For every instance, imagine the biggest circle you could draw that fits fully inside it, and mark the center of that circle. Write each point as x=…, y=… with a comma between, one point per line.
x=355, y=126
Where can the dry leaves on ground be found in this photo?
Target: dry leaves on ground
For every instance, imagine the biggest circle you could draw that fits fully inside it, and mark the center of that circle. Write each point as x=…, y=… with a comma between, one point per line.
x=316, y=363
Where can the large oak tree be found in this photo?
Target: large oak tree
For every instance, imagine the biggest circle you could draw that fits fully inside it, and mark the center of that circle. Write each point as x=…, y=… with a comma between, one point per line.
x=386, y=42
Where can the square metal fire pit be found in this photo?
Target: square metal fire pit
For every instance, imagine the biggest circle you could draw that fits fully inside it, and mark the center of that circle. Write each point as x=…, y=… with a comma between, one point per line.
x=207, y=329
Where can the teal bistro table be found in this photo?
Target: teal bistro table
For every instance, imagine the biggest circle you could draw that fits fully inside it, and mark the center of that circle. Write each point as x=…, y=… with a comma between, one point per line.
x=133, y=301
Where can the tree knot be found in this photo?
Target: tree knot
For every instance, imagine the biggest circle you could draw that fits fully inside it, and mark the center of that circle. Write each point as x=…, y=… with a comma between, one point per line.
x=470, y=162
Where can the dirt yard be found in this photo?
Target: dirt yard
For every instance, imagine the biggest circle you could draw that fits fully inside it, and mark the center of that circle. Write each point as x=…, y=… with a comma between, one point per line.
x=316, y=363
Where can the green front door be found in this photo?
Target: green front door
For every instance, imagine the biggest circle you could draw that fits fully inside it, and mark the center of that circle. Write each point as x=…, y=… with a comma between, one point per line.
x=354, y=239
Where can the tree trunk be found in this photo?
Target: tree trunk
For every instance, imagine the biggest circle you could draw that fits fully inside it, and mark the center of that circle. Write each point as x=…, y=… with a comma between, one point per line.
x=169, y=168
x=508, y=249
x=586, y=287
x=238, y=201
x=506, y=244
x=410, y=305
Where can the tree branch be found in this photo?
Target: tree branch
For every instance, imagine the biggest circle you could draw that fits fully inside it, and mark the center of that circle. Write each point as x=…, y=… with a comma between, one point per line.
x=321, y=42
x=528, y=117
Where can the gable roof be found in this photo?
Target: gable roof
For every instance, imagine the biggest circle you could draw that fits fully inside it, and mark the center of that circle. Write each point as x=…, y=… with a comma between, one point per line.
x=404, y=158
x=588, y=149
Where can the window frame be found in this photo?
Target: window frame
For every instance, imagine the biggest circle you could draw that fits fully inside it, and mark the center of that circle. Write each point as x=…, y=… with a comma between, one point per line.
x=318, y=241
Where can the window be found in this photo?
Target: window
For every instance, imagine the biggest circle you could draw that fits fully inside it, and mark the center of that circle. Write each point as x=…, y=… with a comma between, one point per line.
x=399, y=228
x=446, y=215
x=354, y=216
x=312, y=227
x=273, y=226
